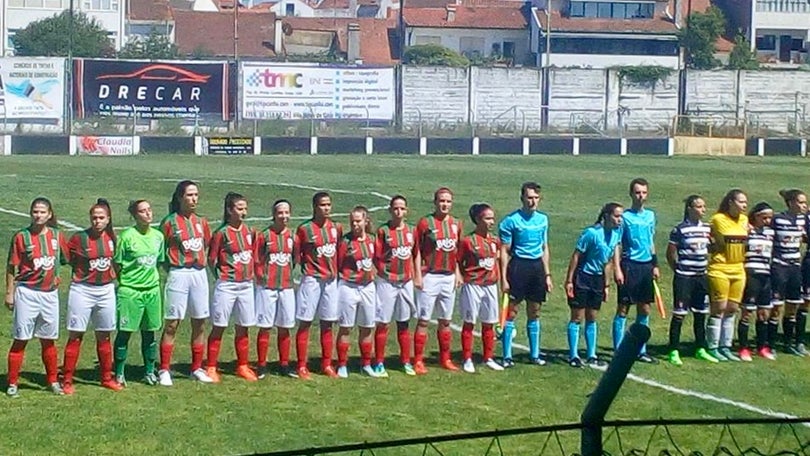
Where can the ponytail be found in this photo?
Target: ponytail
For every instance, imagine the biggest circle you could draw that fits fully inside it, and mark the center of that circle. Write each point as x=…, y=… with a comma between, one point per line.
x=230, y=202
x=687, y=204
x=606, y=211
x=102, y=203
x=476, y=210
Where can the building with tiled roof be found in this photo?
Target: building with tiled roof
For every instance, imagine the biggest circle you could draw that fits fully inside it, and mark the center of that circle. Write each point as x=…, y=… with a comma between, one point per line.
x=145, y=16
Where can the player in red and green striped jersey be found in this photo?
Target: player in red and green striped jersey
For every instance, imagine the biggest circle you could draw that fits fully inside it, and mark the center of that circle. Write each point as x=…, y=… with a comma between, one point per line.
x=316, y=251
x=394, y=262
x=92, y=294
x=356, y=292
x=231, y=261
x=275, y=295
x=436, y=276
x=32, y=291
x=479, y=260
x=187, y=238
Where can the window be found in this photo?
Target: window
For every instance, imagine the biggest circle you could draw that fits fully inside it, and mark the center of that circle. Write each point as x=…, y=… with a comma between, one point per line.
x=100, y=5
x=612, y=10
x=33, y=3
x=16, y=3
x=509, y=49
x=289, y=9
x=496, y=49
x=614, y=46
x=797, y=44
x=766, y=43
x=53, y=4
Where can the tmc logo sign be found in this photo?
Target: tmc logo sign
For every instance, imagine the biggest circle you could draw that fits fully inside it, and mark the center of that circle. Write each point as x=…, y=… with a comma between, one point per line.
x=268, y=78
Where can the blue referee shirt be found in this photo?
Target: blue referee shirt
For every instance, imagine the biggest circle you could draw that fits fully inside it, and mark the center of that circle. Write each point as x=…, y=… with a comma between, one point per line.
x=638, y=233
x=526, y=234
x=596, y=248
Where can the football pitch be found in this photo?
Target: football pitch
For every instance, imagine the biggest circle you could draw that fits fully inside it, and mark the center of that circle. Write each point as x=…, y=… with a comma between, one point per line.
x=277, y=413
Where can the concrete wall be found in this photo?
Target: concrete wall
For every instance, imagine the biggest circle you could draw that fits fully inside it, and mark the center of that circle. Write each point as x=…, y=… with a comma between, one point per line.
x=649, y=107
x=435, y=95
x=577, y=97
x=507, y=97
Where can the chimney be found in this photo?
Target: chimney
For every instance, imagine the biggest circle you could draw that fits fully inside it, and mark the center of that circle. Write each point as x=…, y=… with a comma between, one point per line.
x=278, y=37
x=352, y=8
x=451, y=13
x=353, y=43
x=678, y=13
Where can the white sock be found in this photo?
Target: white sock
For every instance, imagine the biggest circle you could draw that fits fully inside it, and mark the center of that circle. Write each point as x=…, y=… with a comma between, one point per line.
x=713, y=332
x=727, y=331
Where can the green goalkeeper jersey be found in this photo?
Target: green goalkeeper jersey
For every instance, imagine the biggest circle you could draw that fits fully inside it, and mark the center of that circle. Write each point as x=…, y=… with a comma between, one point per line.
x=138, y=256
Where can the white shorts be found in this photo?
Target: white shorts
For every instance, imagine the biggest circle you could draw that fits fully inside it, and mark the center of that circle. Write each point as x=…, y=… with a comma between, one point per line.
x=479, y=301
x=316, y=295
x=356, y=303
x=36, y=314
x=394, y=301
x=275, y=308
x=437, y=288
x=96, y=302
x=233, y=298
x=186, y=287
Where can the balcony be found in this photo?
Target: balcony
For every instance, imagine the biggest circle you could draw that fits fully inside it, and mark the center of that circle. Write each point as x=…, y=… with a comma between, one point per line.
x=783, y=6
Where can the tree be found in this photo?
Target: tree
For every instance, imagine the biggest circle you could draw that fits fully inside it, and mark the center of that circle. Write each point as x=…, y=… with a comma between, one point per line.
x=742, y=57
x=156, y=46
x=699, y=36
x=434, y=54
x=51, y=37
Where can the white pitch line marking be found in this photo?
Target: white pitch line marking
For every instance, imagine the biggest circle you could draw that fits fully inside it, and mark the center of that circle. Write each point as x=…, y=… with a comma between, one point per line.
x=67, y=225
x=673, y=389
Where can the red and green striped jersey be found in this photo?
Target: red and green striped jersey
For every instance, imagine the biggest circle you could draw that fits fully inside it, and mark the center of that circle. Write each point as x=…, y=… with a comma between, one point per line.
x=478, y=259
x=36, y=258
x=273, y=254
x=230, y=255
x=91, y=257
x=394, y=253
x=356, y=259
x=316, y=247
x=437, y=241
x=186, y=240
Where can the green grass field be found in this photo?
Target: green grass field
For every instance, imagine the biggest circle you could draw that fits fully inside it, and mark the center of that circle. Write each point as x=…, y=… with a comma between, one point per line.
x=278, y=413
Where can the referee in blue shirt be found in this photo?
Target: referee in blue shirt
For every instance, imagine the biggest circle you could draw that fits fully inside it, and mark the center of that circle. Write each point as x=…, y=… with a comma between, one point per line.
x=526, y=277
x=639, y=265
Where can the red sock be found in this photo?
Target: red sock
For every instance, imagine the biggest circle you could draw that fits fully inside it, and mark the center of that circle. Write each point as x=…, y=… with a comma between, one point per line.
x=105, y=359
x=326, y=346
x=488, y=340
x=404, y=338
x=50, y=357
x=343, y=353
x=380, y=339
x=419, y=342
x=197, y=356
x=467, y=341
x=365, y=353
x=15, y=361
x=445, y=339
x=213, y=350
x=72, y=350
x=301, y=345
x=166, y=350
x=262, y=347
x=284, y=347
x=242, y=345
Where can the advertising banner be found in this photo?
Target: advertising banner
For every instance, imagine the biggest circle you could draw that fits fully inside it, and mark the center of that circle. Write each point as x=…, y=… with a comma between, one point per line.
x=106, y=145
x=323, y=92
x=228, y=146
x=153, y=90
x=32, y=88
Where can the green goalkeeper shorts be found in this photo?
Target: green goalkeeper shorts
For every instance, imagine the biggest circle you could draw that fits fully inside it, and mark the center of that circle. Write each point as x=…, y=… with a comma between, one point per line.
x=139, y=310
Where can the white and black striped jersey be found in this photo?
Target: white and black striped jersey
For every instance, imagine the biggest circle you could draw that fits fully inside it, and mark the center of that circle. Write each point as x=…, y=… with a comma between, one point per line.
x=759, y=250
x=789, y=235
x=692, y=241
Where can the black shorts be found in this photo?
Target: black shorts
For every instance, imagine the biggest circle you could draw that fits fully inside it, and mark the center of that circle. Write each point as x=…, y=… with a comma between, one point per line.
x=589, y=291
x=787, y=284
x=757, y=292
x=638, y=283
x=691, y=293
x=806, y=278
x=527, y=280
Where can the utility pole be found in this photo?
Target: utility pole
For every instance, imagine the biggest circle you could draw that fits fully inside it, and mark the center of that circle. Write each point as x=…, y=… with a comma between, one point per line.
x=548, y=33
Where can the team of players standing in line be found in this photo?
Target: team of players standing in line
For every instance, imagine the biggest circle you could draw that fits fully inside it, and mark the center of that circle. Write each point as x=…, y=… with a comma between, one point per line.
x=366, y=279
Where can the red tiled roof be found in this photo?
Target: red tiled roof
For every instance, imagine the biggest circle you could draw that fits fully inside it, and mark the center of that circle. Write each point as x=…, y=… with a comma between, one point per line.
x=559, y=23
x=149, y=10
x=375, y=46
x=723, y=45
x=213, y=32
x=467, y=17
